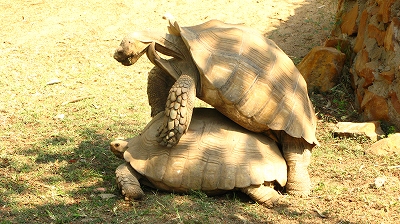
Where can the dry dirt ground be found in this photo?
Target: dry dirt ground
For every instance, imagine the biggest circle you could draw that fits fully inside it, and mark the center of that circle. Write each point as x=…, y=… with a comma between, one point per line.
x=73, y=41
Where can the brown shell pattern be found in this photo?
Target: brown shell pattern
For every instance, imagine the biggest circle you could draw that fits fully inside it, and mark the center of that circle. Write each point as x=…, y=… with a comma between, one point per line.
x=215, y=153
x=252, y=73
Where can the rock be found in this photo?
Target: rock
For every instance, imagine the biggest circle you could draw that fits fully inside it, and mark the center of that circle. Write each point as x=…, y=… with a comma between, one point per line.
x=395, y=101
x=360, y=61
x=392, y=33
x=361, y=32
x=374, y=55
x=359, y=96
x=367, y=74
x=338, y=43
x=378, y=35
x=374, y=107
x=348, y=25
x=386, y=146
x=384, y=10
x=388, y=75
x=371, y=130
x=321, y=68
x=107, y=196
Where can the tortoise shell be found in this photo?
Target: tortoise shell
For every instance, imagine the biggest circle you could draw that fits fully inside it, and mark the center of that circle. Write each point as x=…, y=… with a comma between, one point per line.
x=248, y=78
x=215, y=154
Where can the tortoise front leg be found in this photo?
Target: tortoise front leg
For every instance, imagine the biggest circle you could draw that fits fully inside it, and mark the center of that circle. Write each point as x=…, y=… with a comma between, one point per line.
x=178, y=111
x=297, y=153
x=128, y=182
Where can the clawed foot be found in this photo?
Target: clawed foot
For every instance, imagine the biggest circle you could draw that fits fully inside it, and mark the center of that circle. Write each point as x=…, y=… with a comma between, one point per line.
x=131, y=193
x=128, y=181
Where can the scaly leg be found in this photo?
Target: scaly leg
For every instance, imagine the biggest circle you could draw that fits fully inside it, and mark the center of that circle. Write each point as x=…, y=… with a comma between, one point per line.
x=297, y=153
x=128, y=182
x=178, y=111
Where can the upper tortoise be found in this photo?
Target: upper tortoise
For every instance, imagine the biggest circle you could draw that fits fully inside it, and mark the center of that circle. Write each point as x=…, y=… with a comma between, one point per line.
x=238, y=71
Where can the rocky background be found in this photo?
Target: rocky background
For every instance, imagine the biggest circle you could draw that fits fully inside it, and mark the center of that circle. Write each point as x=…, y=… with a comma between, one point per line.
x=365, y=45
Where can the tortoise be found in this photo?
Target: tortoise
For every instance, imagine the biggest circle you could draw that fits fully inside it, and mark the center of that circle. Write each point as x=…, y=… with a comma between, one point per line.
x=239, y=72
x=215, y=155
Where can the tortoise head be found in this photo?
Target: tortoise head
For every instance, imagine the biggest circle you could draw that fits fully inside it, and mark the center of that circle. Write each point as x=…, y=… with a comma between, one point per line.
x=118, y=147
x=132, y=47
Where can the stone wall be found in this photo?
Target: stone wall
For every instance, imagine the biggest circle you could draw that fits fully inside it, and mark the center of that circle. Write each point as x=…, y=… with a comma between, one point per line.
x=372, y=28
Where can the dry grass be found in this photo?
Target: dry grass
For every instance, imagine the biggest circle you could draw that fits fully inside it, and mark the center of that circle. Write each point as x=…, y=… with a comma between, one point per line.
x=54, y=162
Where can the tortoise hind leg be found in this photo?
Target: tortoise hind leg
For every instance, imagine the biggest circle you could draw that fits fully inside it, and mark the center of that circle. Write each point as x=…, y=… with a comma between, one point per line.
x=178, y=111
x=128, y=182
x=297, y=153
x=262, y=194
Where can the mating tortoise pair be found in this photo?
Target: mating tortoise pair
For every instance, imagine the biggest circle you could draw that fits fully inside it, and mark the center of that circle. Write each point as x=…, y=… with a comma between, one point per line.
x=238, y=71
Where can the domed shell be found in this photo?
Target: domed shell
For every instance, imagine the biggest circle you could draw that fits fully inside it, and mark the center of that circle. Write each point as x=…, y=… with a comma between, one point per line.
x=250, y=79
x=214, y=154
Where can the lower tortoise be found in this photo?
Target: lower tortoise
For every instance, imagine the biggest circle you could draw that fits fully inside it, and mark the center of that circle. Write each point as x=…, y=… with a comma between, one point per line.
x=214, y=156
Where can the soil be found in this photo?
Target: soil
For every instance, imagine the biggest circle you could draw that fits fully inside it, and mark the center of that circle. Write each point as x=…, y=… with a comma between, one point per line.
x=59, y=39
x=296, y=26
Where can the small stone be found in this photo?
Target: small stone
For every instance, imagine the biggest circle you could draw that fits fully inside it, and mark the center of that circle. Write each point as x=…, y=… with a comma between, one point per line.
x=386, y=146
x=371, y=130
x=59, y=117
x=107, y=196
x=379, y=182
x=100, y=189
